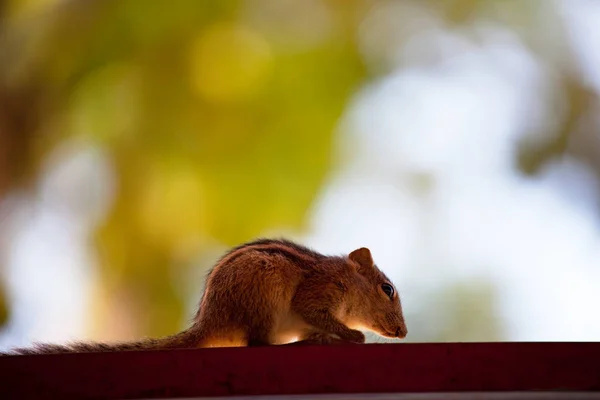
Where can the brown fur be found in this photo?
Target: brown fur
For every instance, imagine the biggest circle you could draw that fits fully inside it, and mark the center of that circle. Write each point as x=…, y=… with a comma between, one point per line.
x=278, y=292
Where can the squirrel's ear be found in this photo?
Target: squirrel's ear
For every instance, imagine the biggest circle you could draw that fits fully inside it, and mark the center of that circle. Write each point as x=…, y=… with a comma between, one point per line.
x=362, y=256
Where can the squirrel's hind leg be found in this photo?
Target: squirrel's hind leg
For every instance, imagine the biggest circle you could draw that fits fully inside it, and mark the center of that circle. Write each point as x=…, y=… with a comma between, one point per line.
x=260, y=334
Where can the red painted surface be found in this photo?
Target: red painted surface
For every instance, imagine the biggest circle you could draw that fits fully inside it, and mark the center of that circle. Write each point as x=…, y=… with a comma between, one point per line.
x=374, y=368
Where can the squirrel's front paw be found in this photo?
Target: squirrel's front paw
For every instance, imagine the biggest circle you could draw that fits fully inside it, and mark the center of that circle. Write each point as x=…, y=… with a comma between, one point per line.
x=320, y=338
x=355, y=336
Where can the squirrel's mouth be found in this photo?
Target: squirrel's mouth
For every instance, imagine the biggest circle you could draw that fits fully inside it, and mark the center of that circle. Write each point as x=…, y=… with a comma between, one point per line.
x=388, y=333
x=398, y=333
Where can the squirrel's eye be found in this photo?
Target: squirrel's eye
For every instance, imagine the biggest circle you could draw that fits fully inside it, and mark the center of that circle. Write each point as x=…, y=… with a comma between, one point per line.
x=388, y=289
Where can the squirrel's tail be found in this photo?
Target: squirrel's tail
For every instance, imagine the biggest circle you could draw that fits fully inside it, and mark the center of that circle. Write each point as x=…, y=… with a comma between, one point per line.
x=190, y=338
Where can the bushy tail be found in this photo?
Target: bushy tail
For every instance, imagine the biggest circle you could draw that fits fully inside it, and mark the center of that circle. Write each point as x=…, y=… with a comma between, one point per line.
x=190, y=338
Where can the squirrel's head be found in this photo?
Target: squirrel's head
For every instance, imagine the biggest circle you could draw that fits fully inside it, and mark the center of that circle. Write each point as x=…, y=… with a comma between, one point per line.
x=378, y=308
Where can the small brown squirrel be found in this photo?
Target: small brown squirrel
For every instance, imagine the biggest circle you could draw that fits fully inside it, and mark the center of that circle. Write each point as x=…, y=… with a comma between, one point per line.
x=273, y=292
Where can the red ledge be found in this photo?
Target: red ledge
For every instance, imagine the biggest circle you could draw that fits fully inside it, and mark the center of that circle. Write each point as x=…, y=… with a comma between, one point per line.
x=284, y=370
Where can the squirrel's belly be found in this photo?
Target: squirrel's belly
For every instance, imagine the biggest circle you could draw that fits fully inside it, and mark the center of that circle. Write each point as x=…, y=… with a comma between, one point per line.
x=289, y=328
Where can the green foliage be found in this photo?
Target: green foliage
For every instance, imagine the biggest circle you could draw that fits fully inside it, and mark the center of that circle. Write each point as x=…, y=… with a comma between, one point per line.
x=215, y=129
x=4, y=309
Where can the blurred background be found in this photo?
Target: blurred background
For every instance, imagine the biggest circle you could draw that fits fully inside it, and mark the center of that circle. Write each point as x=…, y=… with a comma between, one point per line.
x=458, y=140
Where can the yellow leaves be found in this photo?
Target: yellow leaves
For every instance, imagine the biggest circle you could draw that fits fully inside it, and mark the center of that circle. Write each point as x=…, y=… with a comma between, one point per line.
x=171, y=206
x=19, y=8
x=229, y=63
x=113, y=91
x=114, y=305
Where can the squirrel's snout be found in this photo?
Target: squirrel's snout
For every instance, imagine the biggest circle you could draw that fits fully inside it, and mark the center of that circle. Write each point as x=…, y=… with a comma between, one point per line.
x=401, y=332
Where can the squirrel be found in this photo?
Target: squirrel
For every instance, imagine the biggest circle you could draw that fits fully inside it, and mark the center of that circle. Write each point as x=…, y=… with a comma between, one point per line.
x=277, y=292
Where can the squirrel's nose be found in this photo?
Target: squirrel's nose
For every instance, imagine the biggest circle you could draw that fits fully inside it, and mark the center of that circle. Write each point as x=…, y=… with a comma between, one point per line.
x=401, y=332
